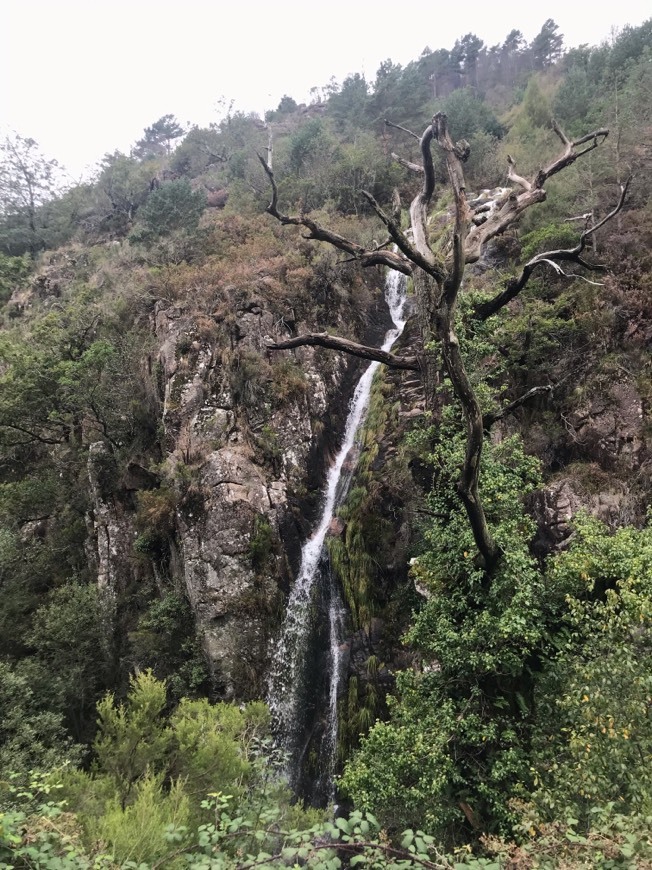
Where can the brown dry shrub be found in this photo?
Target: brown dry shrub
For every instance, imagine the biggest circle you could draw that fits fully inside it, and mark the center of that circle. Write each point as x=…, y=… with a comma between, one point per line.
x=156, y=509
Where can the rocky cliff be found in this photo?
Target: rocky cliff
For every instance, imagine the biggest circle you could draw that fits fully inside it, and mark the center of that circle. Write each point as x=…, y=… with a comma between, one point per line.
x=246, y=438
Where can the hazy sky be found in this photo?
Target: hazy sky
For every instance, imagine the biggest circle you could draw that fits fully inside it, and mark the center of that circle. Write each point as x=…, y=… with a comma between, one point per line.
x=84, y=77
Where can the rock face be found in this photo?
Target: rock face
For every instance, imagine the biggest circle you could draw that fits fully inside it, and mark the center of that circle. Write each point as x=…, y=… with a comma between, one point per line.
x=611, y=474
x=110, y=527
x=247, y=451
x=555, y=506
x=246, y=436
x=610, y=429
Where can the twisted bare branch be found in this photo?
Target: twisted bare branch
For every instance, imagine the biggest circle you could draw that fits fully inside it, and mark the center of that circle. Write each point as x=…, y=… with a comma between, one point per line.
x=456, y=154
x=334, y=342
x=407, y=164
x=364, y=256
x=570, y=154
x=551, y=258
x=531, y=190
x=400, y=239
x=512, y=175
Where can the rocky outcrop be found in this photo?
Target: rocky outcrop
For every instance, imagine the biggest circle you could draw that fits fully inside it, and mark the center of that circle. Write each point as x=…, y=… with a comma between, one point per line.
x=111, y=530
x=609, y=472
x=609, y=429
x=555, y=506
x=247, y=447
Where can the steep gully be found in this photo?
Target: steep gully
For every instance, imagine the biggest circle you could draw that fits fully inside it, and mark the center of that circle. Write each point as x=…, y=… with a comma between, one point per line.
x=306, y=666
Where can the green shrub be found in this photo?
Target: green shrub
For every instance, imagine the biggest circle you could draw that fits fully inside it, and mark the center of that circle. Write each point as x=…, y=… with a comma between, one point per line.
x=550, y=237
x=173, y=207
x=137, y=832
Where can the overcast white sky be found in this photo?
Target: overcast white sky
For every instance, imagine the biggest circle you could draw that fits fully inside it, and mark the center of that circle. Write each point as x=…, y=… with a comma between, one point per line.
x=84, y=77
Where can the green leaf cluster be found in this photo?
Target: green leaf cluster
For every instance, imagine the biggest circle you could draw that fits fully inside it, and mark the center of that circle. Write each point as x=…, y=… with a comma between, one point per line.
x=458, y=729
x=173, y=207
x=593, y=744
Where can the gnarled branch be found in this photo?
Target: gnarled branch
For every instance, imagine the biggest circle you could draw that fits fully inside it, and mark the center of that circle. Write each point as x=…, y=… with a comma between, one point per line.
x=571, y=153
x=468, y=484
x=323, y=339
x=364, y=256
x=512, y=175
x=574, y=255
x=419, y=206
x=531, y=191
x=399, y=238
x=413, y=167
x=33, y=436
x=456, y=154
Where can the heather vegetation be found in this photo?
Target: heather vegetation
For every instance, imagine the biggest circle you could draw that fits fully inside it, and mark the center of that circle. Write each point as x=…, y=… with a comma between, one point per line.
x=506, y=718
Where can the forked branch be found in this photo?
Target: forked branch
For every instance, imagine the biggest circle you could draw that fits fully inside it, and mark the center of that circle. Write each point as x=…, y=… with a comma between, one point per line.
x=531, y=191
x=571, y=152
x=551, y=258
x=400, y=239
x=365, y=256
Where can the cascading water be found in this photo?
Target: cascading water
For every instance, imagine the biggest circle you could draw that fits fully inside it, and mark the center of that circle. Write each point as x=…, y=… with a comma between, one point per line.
x=290, y=683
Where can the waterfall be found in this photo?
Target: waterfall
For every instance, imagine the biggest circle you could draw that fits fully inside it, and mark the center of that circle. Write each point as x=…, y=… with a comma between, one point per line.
x=290, y=680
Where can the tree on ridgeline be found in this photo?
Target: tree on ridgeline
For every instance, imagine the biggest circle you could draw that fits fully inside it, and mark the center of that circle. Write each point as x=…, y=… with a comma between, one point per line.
x=27, y=181
x=158, y=139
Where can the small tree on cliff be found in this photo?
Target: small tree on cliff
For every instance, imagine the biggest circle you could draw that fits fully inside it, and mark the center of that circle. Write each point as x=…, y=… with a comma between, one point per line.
x=437, y=272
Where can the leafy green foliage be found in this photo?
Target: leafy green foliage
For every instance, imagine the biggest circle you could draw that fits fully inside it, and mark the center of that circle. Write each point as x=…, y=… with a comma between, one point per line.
x=548, y=238
x=347, y=103
x=132, y=737
x=138, y=832
x=547, y=44
x=13, y=272
x=166, y=641
x=123, y=185
x=61, y=379
x=173, y=207
x=468, y=115
x=213, y=743
x=461, y=725
x=27, y=181
x=595, y=732
x=158, y=138
x=610, y=840
x=31, y=735
x=41, y=541
x=199, y=743
x=71, y=636
x=144, y=800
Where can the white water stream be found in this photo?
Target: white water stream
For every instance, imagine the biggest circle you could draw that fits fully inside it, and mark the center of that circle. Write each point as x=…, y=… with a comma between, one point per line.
x=287, y=682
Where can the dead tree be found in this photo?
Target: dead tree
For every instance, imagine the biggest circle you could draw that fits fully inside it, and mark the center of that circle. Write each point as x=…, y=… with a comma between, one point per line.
x=437, y=279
